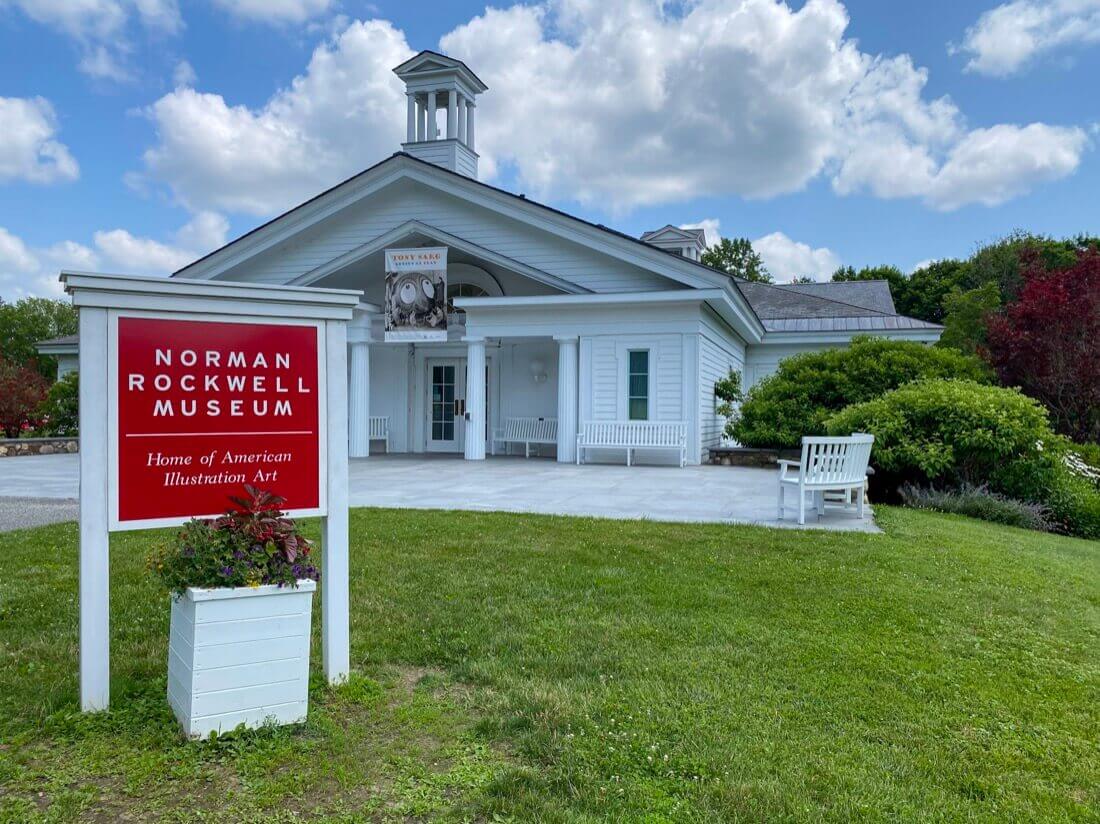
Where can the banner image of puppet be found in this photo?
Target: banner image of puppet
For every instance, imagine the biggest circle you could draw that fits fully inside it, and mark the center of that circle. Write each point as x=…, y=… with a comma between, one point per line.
x=416, y=294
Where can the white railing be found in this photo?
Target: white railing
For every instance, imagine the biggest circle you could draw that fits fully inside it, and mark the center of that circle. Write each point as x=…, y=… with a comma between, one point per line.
x=526, y=431
x=631, y=436
x=379, y=430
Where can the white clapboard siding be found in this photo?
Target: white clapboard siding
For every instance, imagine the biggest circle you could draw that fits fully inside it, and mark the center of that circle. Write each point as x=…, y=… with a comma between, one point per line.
x=410, y=200
x=239, y=656
x=608, y=368
x=720, y=350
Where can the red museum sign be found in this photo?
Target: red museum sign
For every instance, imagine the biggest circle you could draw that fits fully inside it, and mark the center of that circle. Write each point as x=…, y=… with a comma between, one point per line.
x=205, y=407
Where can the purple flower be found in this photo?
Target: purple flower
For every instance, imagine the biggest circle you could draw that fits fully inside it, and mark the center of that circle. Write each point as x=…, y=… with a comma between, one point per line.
x=227, y=571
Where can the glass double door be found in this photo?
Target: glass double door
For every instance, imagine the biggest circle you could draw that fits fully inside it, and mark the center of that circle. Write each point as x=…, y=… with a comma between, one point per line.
x=446, y=424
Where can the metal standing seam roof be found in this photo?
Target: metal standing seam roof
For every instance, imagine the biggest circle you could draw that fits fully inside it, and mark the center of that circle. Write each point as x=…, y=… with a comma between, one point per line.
x=865, y=323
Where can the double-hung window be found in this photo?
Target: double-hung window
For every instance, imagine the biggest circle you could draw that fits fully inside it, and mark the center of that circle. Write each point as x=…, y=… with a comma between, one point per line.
x=637, y=396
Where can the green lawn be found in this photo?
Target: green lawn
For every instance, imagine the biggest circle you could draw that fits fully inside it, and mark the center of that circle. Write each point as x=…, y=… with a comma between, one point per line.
x=532, y=668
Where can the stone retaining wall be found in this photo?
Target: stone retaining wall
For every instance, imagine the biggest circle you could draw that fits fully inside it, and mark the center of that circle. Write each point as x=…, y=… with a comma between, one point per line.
x=744, y=456
x=10, y=447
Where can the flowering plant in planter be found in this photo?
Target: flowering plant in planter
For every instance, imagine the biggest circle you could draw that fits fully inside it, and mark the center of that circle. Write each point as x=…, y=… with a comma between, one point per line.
x=251, y=545
x=242, y=592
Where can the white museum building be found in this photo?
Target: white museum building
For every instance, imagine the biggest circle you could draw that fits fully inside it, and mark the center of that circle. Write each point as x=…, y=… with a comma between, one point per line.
x=554, y=324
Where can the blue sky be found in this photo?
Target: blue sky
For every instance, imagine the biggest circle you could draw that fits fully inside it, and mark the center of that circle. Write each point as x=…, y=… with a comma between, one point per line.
x=828, y=133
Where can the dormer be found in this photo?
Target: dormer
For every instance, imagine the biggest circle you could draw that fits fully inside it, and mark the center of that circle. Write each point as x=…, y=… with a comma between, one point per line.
x=435, y=82
x=689, y=243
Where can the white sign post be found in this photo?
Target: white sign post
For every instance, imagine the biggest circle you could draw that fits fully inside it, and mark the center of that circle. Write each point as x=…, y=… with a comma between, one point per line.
x=113, y=493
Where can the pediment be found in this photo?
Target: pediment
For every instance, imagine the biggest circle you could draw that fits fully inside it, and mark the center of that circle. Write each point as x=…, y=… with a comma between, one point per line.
x=670, y=232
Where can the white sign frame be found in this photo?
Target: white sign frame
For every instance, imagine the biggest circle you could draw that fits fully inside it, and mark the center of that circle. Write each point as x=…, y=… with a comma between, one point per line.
x=116, y=525
x=99, y=297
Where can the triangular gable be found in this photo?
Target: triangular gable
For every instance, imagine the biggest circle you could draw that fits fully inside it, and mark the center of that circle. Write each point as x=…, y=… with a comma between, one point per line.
x=623, y=250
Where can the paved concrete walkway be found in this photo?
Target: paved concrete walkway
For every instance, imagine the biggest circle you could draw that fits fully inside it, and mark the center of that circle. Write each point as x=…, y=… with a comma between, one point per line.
x=712, y=494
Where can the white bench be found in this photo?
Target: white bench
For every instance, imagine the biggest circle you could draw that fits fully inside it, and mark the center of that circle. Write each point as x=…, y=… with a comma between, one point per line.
x=633, y=435
x=379, y=430
x=526, y=431
x=827, y=465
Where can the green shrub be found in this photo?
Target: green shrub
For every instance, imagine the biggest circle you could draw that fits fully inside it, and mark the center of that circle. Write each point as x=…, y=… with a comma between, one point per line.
x=954, y=432
x=809, y=388
x=948, y=431
x=59, y=413
x=979, y=502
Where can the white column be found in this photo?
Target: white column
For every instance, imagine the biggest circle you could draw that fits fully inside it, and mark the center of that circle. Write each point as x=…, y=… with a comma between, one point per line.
x=95, y=615
x=471, y=112
x=475, y=400
x=422, y=120
x=432, y=119
x=335, y=596
x=411, y=130
x=359, y=398
x=462, y=118
x=452, y=114
x=567, y=399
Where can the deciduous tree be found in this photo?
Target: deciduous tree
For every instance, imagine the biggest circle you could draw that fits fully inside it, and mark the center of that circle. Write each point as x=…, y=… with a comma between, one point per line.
x=29, y=321
x=22, y=389
x=737, y=257
x=1048, y=343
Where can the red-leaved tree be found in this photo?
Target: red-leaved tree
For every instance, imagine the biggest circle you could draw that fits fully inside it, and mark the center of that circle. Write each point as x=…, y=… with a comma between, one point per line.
x=22, y=389
x=1048, y=344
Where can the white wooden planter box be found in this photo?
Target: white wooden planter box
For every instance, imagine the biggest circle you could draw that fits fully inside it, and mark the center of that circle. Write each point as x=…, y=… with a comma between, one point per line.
x=239, y=656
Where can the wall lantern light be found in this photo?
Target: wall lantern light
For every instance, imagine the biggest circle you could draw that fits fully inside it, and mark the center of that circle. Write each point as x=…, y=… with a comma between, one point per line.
x=538, y=371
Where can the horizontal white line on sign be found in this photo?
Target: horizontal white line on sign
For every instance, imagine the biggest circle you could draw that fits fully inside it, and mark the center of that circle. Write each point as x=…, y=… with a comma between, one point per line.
x=211, y=434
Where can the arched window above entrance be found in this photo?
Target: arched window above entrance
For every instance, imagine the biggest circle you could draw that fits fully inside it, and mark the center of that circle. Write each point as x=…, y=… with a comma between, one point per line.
x=467, y=281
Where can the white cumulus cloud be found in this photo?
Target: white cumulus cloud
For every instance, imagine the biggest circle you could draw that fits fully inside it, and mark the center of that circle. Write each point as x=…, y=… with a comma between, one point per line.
x=343, y=114
x=25, y=271
x=711, y=226
x=100, y=27
x=276, y=11
x=617, y=104
x=1007, y=38
x=28, y=148
x=787, y=259
x=750, y=98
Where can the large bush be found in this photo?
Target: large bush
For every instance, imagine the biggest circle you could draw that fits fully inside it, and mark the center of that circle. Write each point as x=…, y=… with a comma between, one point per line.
x=60, y=412
x=958, y=432
x=22, y=389
x=810, y=387
x=1048, y=344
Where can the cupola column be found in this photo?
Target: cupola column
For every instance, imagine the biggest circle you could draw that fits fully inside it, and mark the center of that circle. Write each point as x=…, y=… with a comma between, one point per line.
x=471, y=111
x=432, y=117
x=462, y=117
x=452, y=114
x=411, y=130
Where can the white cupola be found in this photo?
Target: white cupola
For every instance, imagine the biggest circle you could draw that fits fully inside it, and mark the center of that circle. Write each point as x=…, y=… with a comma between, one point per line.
x=434, y=82
x=689, y=243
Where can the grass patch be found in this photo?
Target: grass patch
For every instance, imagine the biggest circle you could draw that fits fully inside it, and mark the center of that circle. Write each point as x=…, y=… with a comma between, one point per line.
x=513, y=667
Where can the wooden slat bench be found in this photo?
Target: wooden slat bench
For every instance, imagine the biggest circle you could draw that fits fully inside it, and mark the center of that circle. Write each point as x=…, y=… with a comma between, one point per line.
x=379, y=430
x=830, y=466
x=633, y=435
x=526, y=431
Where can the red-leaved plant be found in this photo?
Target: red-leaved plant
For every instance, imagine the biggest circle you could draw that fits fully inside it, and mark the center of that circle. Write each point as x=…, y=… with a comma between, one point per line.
x=252, y=544
x=1048, y=343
